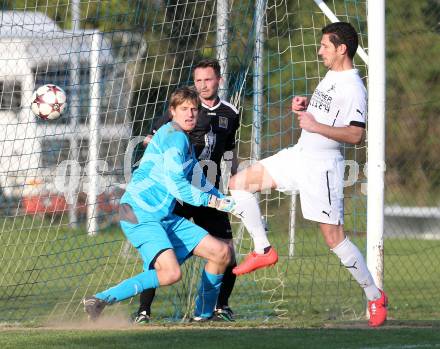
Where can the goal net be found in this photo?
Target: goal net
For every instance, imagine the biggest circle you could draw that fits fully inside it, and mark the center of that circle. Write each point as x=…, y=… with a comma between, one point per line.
x=60, y=180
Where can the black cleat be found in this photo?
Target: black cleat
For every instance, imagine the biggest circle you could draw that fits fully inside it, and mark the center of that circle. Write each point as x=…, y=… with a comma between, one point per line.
x=142, y=318
x=94, y=307
x=224, y=314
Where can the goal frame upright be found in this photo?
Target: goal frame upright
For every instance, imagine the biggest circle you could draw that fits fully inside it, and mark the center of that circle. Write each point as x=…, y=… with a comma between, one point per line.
x=376, y=139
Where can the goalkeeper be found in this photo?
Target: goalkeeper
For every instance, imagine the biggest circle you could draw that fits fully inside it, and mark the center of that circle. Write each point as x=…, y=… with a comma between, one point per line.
x=213, y=138
x=163, y=239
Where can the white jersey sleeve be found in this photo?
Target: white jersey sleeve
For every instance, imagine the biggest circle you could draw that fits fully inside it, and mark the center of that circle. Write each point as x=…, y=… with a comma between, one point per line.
x=354, y=109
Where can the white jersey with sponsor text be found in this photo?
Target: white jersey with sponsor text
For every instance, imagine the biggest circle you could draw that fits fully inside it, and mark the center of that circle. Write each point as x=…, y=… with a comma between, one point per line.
x=339, y=100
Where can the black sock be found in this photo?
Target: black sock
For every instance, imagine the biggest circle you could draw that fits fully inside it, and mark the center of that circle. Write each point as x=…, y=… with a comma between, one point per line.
x=145, y=299
x=226, y=287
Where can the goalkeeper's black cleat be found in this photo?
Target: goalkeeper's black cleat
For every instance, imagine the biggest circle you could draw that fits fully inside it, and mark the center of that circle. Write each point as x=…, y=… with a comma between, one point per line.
x=94, y=307
x=142, y=318
x=224, y=313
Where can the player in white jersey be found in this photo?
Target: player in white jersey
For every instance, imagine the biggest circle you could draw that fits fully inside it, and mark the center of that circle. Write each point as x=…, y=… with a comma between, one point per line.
x=335, y=114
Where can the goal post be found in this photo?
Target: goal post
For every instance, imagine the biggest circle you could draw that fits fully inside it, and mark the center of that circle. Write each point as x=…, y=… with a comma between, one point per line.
x=222, y=38
x=94, y=136
x=376, y=141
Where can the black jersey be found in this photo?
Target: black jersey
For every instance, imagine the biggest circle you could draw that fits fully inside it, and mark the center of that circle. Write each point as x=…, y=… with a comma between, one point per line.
x=214, y=133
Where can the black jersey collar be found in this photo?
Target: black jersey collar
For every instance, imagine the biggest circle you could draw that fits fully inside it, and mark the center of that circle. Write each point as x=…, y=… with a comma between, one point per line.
x=216, y=105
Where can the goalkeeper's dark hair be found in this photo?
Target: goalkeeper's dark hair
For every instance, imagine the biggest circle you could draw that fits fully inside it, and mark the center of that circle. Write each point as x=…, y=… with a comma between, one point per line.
x=182, y=95
x=209, y=63
x=342, y=33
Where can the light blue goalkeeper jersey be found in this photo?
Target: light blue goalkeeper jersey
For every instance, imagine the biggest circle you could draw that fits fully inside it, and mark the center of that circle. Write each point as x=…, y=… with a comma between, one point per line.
x=168, y=171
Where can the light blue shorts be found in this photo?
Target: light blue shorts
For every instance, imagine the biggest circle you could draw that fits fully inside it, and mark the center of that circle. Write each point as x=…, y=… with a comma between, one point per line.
x=173, y=232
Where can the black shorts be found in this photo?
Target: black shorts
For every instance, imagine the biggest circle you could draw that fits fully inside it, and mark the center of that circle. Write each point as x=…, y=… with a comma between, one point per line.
x=215, y=222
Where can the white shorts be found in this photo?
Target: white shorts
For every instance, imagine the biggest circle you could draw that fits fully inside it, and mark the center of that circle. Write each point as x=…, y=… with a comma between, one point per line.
x=317, y=176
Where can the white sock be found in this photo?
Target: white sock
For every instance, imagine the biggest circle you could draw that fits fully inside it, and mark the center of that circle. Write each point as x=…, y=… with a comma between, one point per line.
x=353, y=260
x=248, y=205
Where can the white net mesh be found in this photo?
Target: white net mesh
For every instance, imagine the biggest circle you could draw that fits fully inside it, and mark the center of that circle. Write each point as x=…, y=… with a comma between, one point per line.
x=50, y=259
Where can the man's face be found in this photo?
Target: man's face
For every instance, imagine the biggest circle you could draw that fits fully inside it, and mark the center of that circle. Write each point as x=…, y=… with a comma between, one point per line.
x=206, y=83
x=329, y=53
x=185, y=115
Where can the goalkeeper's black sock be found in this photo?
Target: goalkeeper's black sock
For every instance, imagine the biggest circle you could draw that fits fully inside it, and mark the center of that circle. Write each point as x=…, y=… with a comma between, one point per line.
x=146, y=299
x=227, y=286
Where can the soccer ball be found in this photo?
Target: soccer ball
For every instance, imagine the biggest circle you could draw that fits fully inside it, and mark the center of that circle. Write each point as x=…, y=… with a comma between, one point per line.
x=48, y=102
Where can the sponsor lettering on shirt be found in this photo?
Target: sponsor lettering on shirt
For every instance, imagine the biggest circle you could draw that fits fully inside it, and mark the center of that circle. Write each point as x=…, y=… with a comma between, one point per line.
x=321, y=100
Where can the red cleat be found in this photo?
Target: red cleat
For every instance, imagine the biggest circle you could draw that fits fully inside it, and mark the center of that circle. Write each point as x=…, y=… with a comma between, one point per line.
x=378, y=310
x=254, y=261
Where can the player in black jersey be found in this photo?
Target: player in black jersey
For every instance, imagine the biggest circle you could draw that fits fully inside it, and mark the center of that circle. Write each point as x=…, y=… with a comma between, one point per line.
x=213, y=138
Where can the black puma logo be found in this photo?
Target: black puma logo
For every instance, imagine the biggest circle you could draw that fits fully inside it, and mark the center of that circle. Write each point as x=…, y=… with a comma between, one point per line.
x=327, y=213
x=352, y=266
x=239, y=214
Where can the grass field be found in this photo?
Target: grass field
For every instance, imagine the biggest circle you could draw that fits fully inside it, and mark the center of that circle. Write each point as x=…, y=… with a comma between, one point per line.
x=237, y=338
x=47, y=268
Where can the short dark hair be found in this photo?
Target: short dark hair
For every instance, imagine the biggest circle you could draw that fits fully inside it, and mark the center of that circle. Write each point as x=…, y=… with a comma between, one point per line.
x=342, y=33
x=183, y=94
x=209, y=63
